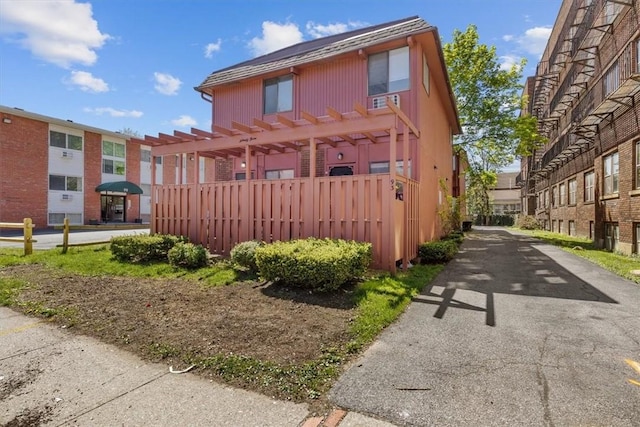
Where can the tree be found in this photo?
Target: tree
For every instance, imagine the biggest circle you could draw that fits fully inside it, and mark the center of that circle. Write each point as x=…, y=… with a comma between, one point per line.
x=489, y=100
x=129, y=132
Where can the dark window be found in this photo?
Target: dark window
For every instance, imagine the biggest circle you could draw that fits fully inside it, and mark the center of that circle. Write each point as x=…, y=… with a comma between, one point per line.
x=389, y=71
x=57, y=182
x=278, y=94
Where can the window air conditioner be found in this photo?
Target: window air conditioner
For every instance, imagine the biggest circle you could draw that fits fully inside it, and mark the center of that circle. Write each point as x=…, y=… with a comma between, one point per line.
x=67, y=197
x=381, y=101
x=67, y=154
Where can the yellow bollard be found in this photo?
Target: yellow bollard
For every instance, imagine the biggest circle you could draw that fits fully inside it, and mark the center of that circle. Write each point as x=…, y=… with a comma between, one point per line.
x=28, y=236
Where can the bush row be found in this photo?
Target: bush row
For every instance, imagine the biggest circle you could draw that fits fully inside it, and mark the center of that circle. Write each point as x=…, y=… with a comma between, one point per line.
x=158, y=247
x=440, y=251
x=319, y=264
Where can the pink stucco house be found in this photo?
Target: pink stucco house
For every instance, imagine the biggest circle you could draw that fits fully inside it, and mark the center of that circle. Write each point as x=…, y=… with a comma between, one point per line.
x=347, y=136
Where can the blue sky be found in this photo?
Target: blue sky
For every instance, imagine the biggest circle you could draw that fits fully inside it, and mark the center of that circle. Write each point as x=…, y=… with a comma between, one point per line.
x=117, y=64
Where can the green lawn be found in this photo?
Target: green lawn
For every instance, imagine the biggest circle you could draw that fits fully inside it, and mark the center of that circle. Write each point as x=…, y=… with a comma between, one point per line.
x=619, y=264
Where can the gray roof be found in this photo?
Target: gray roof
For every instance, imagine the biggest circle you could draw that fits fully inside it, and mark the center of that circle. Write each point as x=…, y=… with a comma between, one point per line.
x=318, y=49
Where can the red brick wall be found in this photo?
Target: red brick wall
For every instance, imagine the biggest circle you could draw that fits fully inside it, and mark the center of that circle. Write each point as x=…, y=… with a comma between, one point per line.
x=133, y=175
x=24, y=181
x=92, y=175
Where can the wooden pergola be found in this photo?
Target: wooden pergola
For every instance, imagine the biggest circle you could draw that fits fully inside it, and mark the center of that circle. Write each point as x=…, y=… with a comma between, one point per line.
x=221, y=214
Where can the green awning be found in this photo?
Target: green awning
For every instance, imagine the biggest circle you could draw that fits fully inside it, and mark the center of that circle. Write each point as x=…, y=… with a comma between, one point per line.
x=119, y=187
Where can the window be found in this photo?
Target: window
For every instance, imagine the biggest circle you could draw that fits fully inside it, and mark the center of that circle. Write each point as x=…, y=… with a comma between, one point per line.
x=573, y=188
x=637, y=166
x=383, y=167
x=389, y=71
x=279, y=174
x=563, y=194
x=63, y=140
x=58, y=218
x=145, y=156
x=611, y=80
x=572, y=228
x=553, y=225
x=554, y=197
x=561, y=226
x=113, y=158
x=158, y=160
x=65, y=183
x=591, y=229
x=546, y=198
x=611, y=174
x=589, y=179
x=636, y=238
x=278, y=94
x=114, y=167
x=611, y=236
x=426, y=78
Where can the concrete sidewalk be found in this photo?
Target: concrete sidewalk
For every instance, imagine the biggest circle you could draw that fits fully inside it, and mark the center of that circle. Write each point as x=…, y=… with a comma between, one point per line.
x=51, y=377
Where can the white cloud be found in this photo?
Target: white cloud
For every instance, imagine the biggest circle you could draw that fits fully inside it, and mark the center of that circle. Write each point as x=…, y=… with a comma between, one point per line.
x=184, y=121
x=166, y=84
x=62, y=32
x=212, y=47
x=275, y=36
x=508, y=61
x=113, y=112
x=532, y=41
x=87, y=82
x=320, y=30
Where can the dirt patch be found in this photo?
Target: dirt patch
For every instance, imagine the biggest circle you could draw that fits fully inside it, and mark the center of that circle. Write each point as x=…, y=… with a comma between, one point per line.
x=167, y=319
x=32, y=417
x=11, y=384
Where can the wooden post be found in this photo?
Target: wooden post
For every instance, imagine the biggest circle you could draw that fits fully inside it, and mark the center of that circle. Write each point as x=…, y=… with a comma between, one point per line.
x=389, y=242
x=311, y=226
x=65, y=236
x=28, y=236
x=247, y=210
x=406, y=195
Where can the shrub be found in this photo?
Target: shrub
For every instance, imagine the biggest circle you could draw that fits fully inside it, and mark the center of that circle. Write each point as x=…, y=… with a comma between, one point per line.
x=319, y=264
x=244, y=254
x=528, y=222
x=143, y=248
x=437, y=252
x=454, y=236
x=187, y=255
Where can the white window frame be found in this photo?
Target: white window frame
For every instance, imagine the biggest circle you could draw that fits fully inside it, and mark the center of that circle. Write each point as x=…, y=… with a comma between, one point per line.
x=66, y=183
x=394, y=64
x=573, y=192
x=279, y=174
x=68, y=145
x=283, y=86
x=611, y=174
x=589, y=186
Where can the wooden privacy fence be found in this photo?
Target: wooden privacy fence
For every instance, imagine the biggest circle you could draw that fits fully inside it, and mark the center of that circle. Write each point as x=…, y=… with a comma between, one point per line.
x=366, y=208
x=27, y=234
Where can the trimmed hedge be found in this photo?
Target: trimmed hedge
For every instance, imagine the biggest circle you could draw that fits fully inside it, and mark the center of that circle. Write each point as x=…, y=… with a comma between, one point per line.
x=319, y=264
x=187, y=255
x=244, y=254
x=437, y=252
x=143, y=248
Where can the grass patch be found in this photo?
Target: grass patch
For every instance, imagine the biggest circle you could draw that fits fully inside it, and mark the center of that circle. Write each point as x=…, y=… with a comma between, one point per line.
x=622, y=265
x=97, y=261
x=9, y=288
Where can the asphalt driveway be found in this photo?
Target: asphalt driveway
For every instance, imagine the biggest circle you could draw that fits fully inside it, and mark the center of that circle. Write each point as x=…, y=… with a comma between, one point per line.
x=512, y=332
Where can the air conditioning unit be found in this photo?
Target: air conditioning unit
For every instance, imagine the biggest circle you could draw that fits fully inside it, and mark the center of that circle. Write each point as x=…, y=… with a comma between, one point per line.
x=67, y=154
x=381, y=101
x=67, y=197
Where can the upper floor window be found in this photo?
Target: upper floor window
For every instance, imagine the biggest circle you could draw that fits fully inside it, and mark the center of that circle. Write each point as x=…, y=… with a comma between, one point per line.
x=65, y=183
x=589, y=178
x=563, y=194
x=389, y=71
x=113, y=158
x=554, y=197
x=573, y=188
x=637, y=166
x=63, y=140
x=611, y=169
x=278, y=94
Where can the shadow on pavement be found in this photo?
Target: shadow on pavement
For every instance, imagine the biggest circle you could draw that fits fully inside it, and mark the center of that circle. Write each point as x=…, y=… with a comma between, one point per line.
x=496, y=262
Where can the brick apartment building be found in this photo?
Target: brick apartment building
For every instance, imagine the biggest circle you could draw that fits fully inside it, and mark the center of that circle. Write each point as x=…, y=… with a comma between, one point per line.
x=51, y=169
x=586, y=96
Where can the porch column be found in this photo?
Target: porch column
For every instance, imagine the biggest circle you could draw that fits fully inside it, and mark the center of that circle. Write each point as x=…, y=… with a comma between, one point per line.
x=406, y=196
x=194, y=201
x=154, y=199
x=388, y=233
x=246, y=216
x=311, y=226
